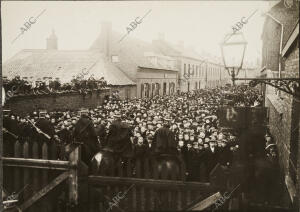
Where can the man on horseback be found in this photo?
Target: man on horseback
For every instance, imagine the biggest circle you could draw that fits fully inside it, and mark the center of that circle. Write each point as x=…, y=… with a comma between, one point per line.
x=166, y=155
x=118, y=138
x=164, y=140
x=118, y=145
x=85, y=134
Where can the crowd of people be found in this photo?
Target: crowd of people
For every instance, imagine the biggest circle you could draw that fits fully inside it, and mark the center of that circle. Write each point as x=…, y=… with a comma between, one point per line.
x=191, y=118
x=21, y=87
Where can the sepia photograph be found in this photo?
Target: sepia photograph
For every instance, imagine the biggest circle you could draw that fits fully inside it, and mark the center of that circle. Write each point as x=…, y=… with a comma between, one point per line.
x=120, y=106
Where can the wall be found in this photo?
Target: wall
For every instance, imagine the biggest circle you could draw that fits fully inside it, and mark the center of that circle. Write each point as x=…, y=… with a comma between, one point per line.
x=284, y=113
x=270, y=48
x=70, y=101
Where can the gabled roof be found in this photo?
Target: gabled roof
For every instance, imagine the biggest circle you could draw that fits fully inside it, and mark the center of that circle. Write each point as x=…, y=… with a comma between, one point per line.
x=130, y=52
x=38, y=63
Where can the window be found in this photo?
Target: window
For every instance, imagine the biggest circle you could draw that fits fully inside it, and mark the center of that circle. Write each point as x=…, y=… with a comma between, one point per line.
x=193, y=70
x=189, y=70
x=184, y=68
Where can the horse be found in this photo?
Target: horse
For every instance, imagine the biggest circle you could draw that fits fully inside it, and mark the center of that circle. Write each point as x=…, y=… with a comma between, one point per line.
x=118, y=146
x=168, y=163
x=168, y=167
x=85, y=134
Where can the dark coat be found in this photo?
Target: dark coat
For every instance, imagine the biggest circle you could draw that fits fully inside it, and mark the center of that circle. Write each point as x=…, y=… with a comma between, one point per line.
x=85, y=133
x=45, y=126
x=140, y=151
x=212, y=159
x=118, y=138
x=164, y=142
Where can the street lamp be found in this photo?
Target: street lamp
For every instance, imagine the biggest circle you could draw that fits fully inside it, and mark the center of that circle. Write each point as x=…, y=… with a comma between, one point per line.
x=233, y=51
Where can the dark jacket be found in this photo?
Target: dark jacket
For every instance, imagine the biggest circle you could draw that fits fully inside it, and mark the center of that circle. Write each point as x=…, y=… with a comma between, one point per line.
x=164, y=141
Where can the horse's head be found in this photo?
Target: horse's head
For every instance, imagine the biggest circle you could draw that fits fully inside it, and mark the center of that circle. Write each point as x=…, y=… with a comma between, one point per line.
x=84, y=129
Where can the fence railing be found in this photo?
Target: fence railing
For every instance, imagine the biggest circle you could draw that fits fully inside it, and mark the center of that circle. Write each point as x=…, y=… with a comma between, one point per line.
x=146, y=167
x=132, y=194
x=32, y=170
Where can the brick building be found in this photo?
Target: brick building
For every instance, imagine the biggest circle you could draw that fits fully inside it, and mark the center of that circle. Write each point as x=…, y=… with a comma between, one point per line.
x=281, y=59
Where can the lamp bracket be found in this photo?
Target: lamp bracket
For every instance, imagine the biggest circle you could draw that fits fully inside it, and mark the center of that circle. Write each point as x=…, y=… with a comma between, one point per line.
x=287, y=85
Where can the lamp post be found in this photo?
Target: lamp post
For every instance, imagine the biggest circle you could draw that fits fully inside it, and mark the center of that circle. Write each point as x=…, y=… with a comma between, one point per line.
x=233, y=51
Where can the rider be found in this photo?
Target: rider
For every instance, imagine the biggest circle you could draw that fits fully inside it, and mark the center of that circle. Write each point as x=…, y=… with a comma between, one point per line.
x=118, y=138
x=164, y=140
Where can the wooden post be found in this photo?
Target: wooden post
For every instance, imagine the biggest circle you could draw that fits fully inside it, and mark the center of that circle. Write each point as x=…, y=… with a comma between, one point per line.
x=152, y=199
x=138, y=168
x=35, y=174
x=17, y=170
x=188, y=197
x=120, y=168
x=142, y=196
x=183, y=170
x=146, y=168
x=26, y=193
x=179, y=200
x=134, y=205
x=154, y=169
x=73, y=177
x=129, y=170
x=45, y=201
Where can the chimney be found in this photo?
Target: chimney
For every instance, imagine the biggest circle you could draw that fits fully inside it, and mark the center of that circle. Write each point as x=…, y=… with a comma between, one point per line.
x=161, y=36
x=52, y=41
x=106, y=32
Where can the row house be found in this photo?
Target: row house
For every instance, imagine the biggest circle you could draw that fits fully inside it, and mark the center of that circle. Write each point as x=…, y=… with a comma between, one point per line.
x=194, y=71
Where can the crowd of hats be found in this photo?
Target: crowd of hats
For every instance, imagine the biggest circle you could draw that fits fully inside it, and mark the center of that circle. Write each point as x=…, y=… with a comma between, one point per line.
x=191, y=116
x=243, y=96
x=21, y=87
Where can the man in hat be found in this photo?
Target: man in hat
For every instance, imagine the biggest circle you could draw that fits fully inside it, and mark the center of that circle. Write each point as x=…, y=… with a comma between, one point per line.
x=118, y=138
x=164, y=140
x=192, y=162
x=212, y=154
x=45, y=129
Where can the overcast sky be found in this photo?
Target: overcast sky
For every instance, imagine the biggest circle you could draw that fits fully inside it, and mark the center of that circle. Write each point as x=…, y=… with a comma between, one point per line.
x=201, y=24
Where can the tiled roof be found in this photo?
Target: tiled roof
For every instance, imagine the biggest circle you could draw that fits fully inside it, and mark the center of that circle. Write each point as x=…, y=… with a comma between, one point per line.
x=130, y=52
x=39, y=63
